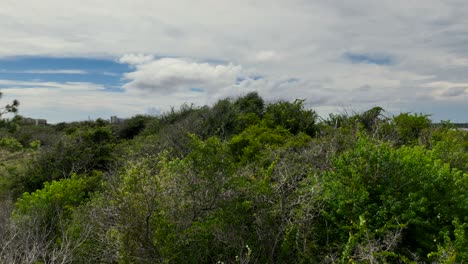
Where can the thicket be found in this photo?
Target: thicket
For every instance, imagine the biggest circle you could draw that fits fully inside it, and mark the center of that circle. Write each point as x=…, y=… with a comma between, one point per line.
x=243, y=181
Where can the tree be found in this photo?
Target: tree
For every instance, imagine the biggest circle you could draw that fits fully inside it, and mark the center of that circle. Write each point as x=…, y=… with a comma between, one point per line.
x=9, y=108
x=411, y=126
x=370, y=118
x=292, y=116
x=250, y=103
x=132, y=127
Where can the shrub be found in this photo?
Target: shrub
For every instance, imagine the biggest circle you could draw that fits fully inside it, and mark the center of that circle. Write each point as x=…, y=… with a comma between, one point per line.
x=391, y=189
x=10, y=144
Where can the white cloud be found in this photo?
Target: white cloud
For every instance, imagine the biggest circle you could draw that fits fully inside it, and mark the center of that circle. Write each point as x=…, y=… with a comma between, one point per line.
x=443, y=90
x=275, y=39
x=265, y=55
x=455, y=91
x=28, y=85
x=110, y=74
x=81, y=72
x=71, y=100
x=170, y=75
x=445, y=84
x=136, y=59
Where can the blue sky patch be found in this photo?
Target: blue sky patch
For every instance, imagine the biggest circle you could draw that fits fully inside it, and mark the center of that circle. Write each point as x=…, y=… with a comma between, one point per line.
x=240, y=79
x=106, y=72
x=367, y=58
x=292, y=80
x=197, y=90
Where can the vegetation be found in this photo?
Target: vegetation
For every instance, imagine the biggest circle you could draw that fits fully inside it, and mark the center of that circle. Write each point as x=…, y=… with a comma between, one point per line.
x=243, y=181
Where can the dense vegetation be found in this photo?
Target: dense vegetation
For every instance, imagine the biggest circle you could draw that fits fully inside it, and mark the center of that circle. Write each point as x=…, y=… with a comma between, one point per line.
x=243, y=181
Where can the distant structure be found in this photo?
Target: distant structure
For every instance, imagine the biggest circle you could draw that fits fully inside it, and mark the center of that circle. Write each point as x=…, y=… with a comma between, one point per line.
x=34, y=121
x=116, y=120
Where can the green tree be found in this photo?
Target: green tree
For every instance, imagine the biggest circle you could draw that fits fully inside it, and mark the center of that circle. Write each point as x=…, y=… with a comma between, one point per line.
x=410, y=127
x=132, y=127
x=371, y=118
x=250, y=103
x=9, y=108
x=292, y=116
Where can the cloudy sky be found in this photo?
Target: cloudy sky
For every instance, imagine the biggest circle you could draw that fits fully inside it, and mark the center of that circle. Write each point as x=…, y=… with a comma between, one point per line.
x=70, y=60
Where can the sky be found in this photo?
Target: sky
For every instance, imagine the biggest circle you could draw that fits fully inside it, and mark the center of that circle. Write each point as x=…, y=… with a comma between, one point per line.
x=88, y=59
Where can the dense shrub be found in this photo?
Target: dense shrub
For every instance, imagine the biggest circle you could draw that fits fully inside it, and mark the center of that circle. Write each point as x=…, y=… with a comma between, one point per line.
x=239, y=182
x=376, y=190
x=292, y=116
x=10, y=144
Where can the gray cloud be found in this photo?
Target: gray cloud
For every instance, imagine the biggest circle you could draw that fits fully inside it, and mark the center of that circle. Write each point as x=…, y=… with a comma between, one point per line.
x=455, y=91
x=277, y=39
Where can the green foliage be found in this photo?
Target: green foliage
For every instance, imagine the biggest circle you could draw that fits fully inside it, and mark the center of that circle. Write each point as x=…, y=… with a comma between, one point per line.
x=165, y=206
x=36, y=144
x=248, y=145
x=137, y=200
x=251, y=103
x=81, y=152
x=451, y=146
x=446, y=124
x=130, y=128
x=10, y=144
x=50, y=207
x=174, y=116
x=455, y=243
x=337, y=120
x=227, y=118
x=62, y=195
x=292, y=116
x=9, y=108
x=394, y=188
x=221, y=120
x=27, y=133
x=11, y=125
x=239, y=182
x=371, y=118
x=410, y=127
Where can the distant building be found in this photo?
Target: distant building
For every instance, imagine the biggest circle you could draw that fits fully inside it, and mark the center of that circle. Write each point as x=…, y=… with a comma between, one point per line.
x=116, y=120
x=34, y=121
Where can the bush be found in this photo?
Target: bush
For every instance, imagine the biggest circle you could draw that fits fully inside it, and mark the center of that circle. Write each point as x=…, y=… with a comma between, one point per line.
x=53, y=205
x=291, y=116
x=410, y=127
x=132, y=127
x=247, y=146
x=81, y=153
x=451, y=146
x=10, y=144
x=375, y=190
